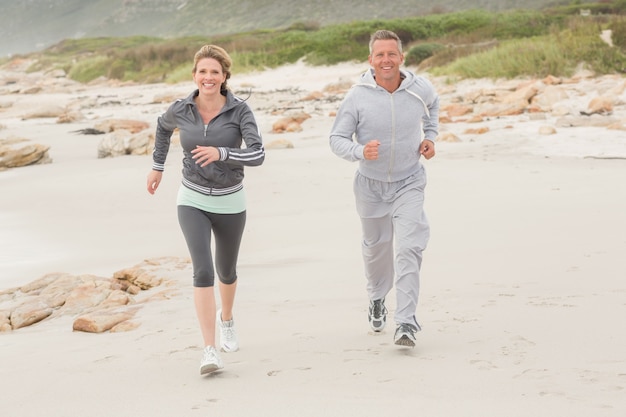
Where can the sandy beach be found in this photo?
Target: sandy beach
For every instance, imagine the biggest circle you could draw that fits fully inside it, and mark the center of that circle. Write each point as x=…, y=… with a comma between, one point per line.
x=523, y=289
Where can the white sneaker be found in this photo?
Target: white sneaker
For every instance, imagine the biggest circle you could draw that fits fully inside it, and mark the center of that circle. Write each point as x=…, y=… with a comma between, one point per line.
x=377, y=315
x=211, y=361
x=228, y=337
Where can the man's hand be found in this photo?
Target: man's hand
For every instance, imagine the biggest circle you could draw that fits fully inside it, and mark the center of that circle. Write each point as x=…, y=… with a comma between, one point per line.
x=370, y=151
x=427, y=148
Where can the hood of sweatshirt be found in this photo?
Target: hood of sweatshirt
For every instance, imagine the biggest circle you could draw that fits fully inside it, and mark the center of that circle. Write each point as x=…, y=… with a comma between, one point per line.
x=368, y=80
x=413, y=84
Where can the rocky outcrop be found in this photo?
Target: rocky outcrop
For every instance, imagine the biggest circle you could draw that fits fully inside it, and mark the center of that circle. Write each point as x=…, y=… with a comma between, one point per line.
x=292, y=123
x=98, y=304
x=279, y=144
x=22, y=152
x=102, y=320
x=112, y=125
x=50, y=111
x=551, y=97
x=123, y=142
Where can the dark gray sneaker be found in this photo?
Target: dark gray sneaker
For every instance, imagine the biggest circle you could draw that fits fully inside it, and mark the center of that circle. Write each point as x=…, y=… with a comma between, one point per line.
x=405, y=335
x=377, y=315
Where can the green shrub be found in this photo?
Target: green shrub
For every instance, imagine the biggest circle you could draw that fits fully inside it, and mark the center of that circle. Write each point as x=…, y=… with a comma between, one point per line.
x=523, y=24
x=418, y=53
x=89, y=69
x=179, y=74
x=307, y=26
x=453, y=52
x=618, y=35
x=558, y=53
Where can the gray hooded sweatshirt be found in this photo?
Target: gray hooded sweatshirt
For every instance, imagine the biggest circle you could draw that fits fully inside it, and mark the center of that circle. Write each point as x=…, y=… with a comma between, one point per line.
x=399, y=120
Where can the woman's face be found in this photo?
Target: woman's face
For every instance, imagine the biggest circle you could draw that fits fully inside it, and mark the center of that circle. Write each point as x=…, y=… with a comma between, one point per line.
x=209, y=76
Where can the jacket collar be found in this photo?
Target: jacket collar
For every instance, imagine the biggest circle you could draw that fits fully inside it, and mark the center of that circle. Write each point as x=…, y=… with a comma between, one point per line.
x=231, y=100
x=368, y=80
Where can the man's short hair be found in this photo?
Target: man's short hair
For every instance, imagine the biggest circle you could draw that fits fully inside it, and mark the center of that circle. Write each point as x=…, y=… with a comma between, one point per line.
x=381, y=35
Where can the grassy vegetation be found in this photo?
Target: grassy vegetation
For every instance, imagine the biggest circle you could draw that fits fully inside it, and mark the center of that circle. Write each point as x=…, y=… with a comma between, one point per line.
x=558, y=53
x=472, y=44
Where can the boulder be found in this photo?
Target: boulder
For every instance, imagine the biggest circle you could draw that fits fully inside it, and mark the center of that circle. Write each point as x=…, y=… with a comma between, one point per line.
x=49, y=111
x=115, y=143
x=132, y=126
x=102, y=320
x=290, y=123
x=599, y=105
x=5, y=321
x=137, y=276
x=20, y=152
x=29, y=313
x=448, y=137
x=86, y=296
x=547, y=130
x=279, y=144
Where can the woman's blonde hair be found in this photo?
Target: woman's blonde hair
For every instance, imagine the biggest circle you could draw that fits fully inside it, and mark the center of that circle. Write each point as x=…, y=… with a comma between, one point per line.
x=218, y=54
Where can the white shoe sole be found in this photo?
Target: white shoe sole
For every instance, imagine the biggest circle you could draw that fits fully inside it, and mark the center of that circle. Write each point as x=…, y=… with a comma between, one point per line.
x=226, y=349
x=209, y=369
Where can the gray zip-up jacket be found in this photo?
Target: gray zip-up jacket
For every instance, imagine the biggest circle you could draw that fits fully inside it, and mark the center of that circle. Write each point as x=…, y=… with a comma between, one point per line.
x=234, y=125
x=399, y=120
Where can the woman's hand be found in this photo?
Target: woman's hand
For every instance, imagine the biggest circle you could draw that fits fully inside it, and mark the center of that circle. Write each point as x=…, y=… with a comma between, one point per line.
x=154, y=179
x=204, y=155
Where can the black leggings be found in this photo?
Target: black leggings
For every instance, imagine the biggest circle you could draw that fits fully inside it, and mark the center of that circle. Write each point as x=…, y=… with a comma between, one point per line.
x=197, y=226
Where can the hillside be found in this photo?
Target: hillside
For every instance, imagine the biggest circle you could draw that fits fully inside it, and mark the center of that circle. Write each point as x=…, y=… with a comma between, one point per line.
x=31, y=25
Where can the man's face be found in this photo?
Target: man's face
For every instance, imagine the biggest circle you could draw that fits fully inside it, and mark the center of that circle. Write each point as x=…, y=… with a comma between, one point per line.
x=386, y=59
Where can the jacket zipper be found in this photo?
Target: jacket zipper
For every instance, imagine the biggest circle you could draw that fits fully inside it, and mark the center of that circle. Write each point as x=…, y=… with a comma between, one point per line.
x=393, y=138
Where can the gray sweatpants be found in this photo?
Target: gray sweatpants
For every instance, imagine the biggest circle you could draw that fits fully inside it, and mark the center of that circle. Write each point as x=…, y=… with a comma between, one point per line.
x=392, y=217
